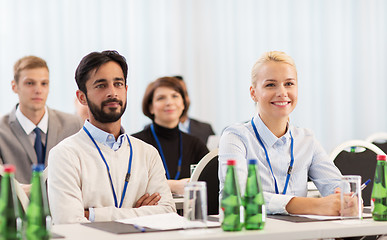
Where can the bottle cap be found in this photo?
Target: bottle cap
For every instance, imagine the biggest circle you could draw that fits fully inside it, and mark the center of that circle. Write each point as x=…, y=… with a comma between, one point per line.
x=381, y=157
x=253, y=161
x=38, y=167
x=9, y=168
x=231, y=162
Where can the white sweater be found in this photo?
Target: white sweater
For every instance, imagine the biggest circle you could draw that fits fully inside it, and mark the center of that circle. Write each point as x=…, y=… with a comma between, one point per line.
x=78, y=180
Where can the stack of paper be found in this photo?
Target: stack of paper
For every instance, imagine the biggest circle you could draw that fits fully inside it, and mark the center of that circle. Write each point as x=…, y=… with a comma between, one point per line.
x=167, y=221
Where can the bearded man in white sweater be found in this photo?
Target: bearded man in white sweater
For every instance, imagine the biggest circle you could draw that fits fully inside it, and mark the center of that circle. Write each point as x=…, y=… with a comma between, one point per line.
x=101, y=173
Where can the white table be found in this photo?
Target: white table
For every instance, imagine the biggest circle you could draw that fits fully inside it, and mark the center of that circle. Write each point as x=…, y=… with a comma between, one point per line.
x=179, y=202
x=274, y=229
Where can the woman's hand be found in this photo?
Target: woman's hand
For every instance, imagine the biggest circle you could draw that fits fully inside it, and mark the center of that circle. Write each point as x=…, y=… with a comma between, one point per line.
x=327, y=206
x=177, y=186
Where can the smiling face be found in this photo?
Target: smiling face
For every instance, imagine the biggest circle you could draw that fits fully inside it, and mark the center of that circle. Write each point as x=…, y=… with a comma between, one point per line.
x=167, y=107
x=275, y=90
x=106, y=93
x=32, y=88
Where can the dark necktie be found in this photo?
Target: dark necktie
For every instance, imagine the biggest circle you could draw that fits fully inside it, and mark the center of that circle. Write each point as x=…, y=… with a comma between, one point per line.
x=38, y=146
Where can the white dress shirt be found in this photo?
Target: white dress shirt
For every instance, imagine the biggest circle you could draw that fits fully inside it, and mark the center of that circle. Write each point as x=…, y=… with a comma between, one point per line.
x=239, y=142
x=105, y=138
x=184, y=127
x=29, y=126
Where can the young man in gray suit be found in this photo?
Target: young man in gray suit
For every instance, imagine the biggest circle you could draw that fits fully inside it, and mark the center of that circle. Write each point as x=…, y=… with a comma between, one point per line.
x=29, y=132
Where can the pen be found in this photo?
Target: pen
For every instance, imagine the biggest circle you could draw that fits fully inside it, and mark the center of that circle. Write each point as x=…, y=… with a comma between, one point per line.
x=364, y=185
x=140, y=228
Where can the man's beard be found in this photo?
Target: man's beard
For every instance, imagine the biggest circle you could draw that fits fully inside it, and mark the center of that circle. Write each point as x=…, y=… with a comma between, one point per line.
x=102, y=116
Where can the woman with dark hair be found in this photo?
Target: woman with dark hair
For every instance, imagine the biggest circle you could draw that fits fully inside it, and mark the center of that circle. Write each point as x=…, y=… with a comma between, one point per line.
x=164, y=103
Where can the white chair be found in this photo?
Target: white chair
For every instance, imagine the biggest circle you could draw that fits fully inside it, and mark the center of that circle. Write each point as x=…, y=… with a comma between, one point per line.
x=203, y=163
x=45, y=174
x=207, y=171
x=213, y=142
x=354, y=143
x=313, y=190
x=379, y=139
x=359, y=161
x=24, y=200
x=376, y=137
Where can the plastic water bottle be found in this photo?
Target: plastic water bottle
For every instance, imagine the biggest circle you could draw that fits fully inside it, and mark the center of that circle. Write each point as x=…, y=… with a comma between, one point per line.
x=10, y=212
x=38, y=214
x=379, y=190
x=231, y=201
x=254, y=203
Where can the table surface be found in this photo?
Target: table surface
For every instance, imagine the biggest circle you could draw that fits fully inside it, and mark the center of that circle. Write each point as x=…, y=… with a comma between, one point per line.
x=274, y=229
x=179, y=202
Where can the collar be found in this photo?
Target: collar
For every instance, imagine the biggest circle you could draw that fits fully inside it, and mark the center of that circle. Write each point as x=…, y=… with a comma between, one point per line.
x=166, y=133
x=267, y=136
x=105, y=138
x=185, y=126
x=29, y=126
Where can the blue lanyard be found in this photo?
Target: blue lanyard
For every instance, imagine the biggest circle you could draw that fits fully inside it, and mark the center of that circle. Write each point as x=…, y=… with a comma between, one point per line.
x=268, y=160
x=108, y=169
x=162, y=153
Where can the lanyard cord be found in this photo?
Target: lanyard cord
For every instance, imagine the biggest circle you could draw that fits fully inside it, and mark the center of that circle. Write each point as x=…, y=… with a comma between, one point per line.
x=268, y=160
x=108, y=169
x=162, y=153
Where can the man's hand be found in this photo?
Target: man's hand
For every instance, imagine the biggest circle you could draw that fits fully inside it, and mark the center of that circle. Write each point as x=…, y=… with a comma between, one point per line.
x=147, y=200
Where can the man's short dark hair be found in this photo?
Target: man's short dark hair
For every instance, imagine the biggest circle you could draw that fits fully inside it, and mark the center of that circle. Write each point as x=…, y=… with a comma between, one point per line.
x=95, y=60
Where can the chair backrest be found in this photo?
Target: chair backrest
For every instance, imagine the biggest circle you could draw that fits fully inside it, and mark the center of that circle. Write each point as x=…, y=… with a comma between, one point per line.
x=23, y=198
x=361, y=163
x=213, y=142
x=379, y=139
x=207, y=171
x=45, y=175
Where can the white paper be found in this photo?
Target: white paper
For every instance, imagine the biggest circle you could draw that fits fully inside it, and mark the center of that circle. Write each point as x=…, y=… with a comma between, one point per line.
x=166, y=221
x=320, y=217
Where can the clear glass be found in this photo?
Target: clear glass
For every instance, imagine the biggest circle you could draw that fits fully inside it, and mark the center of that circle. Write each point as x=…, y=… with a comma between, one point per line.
x=350, y=196
x=195, y=205
x=192, y=168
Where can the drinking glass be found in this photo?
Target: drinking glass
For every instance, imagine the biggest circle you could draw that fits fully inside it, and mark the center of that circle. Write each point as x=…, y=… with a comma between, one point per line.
x=195, y=204
x=350, y=196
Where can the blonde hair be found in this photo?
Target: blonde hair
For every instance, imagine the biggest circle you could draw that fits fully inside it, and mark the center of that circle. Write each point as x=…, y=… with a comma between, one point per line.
x=28, y=62
x=275, y=56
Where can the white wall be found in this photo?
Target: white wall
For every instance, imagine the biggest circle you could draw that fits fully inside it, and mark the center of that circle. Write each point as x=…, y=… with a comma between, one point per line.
x=339, y=48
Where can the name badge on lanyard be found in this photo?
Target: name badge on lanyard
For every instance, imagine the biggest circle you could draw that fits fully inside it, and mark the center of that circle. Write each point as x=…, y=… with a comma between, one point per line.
x=268, y=160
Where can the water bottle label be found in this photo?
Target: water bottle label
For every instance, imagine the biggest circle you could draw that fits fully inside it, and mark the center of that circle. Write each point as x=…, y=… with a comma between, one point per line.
x=48, y=223
x=221, y=214
x=263, y=213
x=372, y=204
x=242, y=214
x=19, y=224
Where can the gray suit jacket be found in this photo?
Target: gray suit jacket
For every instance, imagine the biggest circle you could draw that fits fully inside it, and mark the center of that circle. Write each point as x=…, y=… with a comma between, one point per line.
x=16, y=149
